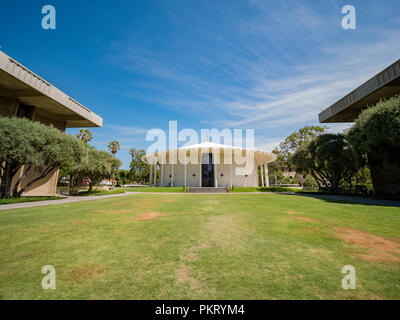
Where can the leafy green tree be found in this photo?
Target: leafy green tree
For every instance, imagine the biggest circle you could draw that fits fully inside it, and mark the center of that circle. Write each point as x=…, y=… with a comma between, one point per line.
x=85, y=135
x=376, y=138
x=329, y=159
x=27, y=147
x=140, y=171
x=99, y=165
x=294, y=141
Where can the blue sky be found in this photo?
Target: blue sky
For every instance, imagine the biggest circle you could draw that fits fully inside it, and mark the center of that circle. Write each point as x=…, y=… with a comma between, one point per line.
x=271, y=66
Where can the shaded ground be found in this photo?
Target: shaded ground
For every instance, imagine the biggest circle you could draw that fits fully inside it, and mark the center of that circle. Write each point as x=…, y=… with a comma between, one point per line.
x=222, y=246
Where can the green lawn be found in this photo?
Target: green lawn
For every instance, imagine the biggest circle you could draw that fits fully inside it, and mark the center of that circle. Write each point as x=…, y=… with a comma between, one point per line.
x=184, y=246
x=99, y=192
x=155, y=189
x=28, y=199
x=269, y=189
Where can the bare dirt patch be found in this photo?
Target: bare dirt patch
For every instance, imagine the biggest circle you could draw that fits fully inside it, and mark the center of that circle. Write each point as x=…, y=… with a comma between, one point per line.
x=124, y=233
x=79, y=221
x=380, y=249
x=85, y=272
x=293, y=212
x=150, y=216
x=305, y=219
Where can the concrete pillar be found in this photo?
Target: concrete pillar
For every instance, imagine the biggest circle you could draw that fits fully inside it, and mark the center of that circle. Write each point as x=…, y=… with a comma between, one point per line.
x=262, y=175
x=155, y=175
x=216, y=175
x=200, y=177
x=151, y=175
x=161, y=175
x=232, y=174
x=185, y=172
x=172, y=174
x=266, y=175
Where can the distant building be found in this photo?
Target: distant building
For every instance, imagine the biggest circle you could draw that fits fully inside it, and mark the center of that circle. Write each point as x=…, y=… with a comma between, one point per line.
x=25, y=94
x=211, y=168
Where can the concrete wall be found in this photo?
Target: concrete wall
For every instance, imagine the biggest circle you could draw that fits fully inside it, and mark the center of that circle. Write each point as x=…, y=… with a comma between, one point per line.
x=225, y=169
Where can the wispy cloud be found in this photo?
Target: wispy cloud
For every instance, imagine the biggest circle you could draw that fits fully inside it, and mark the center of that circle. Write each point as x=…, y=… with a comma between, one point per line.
x=284, y=65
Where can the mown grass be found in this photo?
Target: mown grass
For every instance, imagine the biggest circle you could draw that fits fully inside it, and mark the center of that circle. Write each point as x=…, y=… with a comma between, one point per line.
x=269, y=189
x=27, y=199
x=155, y=189
x=184, y=246
x=98, y=192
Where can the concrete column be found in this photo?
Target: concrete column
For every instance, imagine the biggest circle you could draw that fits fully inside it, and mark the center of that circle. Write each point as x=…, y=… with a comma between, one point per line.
x=266, y=175
x=151, y=175
x=216, y=175
x=232, y=174
x=155, y=175
x=262, y=175
x=172, y=174
x=161, y=175
x=200, y=178
x=185, y=172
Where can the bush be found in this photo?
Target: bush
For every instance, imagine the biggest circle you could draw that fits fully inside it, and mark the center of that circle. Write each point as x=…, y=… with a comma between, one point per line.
x=376, y=138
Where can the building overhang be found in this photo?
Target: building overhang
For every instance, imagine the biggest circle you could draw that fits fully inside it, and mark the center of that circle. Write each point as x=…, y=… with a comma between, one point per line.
x=260, y=157
x=384, y=85
x=18, y=82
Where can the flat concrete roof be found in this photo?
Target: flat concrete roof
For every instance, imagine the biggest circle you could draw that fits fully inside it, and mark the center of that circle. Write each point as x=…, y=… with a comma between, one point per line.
x=384, y=85
x=17, y=81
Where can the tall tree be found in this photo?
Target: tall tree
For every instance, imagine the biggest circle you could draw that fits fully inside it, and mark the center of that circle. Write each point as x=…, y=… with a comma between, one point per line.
x=114, y=147
x=99, y=165
x=298, y=138
x=329, y=159
x=30, y=147
x=132, y=152
x=85, y=135
x=140, y=170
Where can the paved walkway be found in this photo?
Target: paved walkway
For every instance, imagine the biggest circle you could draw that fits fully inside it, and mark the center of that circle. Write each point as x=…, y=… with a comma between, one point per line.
x=360, y=200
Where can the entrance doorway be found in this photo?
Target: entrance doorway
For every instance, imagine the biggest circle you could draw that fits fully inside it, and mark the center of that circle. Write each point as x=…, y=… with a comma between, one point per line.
x=207, y=170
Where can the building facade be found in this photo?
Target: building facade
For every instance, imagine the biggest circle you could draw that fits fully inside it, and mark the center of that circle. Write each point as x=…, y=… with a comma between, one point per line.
x=25, y=94
x=209, y=165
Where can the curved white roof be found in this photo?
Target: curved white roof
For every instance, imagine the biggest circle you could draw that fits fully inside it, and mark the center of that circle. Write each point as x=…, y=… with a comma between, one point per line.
x=260, y=156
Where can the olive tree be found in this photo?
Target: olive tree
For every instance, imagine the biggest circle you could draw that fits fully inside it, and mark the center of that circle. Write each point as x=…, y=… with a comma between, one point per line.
x=329, y=159
x=28, y=147
x=376, y=138
x=99, y=165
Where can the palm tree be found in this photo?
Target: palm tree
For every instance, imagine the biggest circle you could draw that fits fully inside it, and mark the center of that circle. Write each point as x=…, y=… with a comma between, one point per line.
x=114, y=146
x=132, y=152
x=85, y=135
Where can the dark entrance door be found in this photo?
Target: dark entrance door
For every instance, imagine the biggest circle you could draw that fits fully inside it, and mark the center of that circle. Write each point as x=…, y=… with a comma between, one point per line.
x=207, y=171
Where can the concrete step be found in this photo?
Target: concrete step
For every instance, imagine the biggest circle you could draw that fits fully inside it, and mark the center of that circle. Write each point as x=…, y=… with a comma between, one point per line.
x=208, y=190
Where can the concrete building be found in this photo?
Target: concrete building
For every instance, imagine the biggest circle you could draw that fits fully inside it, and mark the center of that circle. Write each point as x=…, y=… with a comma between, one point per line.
x=25, y=94
x=209, y=165
x=382, y=86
